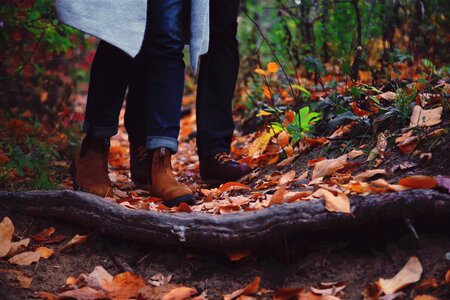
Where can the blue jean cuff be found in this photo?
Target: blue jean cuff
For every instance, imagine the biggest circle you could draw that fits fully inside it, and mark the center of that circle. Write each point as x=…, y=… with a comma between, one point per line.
x=100, y=132
x=155, y=142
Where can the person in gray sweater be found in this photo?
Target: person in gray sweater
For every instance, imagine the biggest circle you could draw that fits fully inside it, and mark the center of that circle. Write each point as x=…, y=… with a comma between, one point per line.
x=155, y=80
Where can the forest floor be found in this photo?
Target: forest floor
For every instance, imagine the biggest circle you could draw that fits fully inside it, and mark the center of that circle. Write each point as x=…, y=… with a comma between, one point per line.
x=332, y=264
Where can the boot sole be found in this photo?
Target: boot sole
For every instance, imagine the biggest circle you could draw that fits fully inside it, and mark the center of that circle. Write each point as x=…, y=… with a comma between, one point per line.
x=188, y=199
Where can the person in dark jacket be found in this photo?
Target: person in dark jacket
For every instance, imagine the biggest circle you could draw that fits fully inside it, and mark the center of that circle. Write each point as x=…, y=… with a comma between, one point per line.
x=155, y=79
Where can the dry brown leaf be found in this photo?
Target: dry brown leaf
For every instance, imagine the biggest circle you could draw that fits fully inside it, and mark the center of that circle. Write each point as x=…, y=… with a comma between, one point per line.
x=312, y=296
x=233, y=186
x=355, y=153
x=425, y=118
x=410, y=273
x=44, y=234
x=380, y=147
x=288, y=177
x=447, y=277
x=251, y=288
x=339, y=203
x=329, y=166
x=6, y=235
x=391, y=187
x=404, y=136
x=238, y=255
x=71, y=280
x=425, y=297
x=46, y=295
x=369, y=174
x=427, y=284
x=124, y=286
x=329, y=289
x=25, y=258
x=418, y=182
x=76, y=240
x=260, y=144
x=283, y=139
x=17, y=247
x=179, y=293
x=303, y=176
x=390, y=96
x=287, y=293
x=287, y=161
x=409, y=145
x=84, y=293
x=278, y=196
x=45, y=252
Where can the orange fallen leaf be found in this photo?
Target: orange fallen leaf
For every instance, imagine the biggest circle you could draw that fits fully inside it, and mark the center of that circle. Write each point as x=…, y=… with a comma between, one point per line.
x=409, y=145
x=287, y=293
x=76, y=240
x=233, y=186
x=272, y=67
x=124, y=286
x=179, y=293
x=184, y=207
x=287, y=161
x=238, y=255
x=278, y=196
x=425, y=297
x=369, y=174
x=410, y=273
x=6, y=235
x=427, y=284
x=418, y=182
x=338, y=203
x=355, y=153
x=288, y=177
x=251, y=288
x=45, y=252
x=313, y=162
x=447, y=277
x=46, y=295
x=283, y=139
x=23, y=279
x=329, y=166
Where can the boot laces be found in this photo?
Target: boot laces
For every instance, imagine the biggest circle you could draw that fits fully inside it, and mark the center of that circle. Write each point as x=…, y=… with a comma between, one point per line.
x=223, y=158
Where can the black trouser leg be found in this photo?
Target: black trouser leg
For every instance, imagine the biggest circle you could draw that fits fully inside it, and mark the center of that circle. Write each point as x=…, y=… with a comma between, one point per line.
x=107, y=86
x=217, y=80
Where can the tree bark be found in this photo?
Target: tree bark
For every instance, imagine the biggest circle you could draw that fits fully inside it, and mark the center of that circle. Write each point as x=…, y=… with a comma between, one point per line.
x=250, y=229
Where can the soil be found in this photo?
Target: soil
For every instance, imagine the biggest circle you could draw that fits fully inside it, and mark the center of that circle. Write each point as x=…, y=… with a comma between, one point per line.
x=302, y=261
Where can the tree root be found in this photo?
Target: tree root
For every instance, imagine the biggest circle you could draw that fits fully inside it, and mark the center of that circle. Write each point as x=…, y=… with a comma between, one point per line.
x=232, y=230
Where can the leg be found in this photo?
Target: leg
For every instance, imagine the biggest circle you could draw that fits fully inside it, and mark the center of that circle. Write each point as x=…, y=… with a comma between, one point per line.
x=108, y=82
x=159, y=87
x=217, y=80
x=216, y=84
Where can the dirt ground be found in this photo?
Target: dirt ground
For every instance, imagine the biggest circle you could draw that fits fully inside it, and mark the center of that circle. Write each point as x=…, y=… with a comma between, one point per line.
x=303, y=261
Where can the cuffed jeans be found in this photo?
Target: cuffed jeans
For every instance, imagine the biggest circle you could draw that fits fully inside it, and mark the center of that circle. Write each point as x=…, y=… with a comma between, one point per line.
x=156, y=78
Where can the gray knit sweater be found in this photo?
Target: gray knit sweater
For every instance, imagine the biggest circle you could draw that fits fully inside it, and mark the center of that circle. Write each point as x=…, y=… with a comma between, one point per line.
x=122, y=23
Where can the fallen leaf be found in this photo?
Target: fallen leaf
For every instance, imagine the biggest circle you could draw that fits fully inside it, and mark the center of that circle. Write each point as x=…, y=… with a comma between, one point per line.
x=355, y=153
x=418, y=182
x=283, y=139
x=180, y=293
x=260, y=71
x=287, y=293
x=390, y=96
x=425, y=118
x=184, y=208
x=260, y=144
x=17, y=247
x=369, y=174
x=410, y=273
x=76, y=240
x=124, y=286
x=329, y=289
x=315, y=161
x=250, y=289
x=427, y=284
x=329, y=166
x=447, y=277
x=84, y=293
x=339, y=203
x=44, y=234
x=278, y=196
x=288, y=177
x=45, y=252
x=46, y=295
x=409, y=145
x=6, y=235
x=238, y=255
x=288, y=161
x=403, y=137
x=233, y=186
x=425, y=297
x=71, y=280
x=25, y=258
x=272, y=67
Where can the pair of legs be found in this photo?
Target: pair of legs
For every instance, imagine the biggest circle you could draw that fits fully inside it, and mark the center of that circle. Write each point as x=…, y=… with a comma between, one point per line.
x=155, y=79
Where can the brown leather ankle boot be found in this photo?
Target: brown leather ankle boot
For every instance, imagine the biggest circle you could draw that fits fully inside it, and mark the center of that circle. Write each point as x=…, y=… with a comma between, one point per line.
x=90, y=167
x=164, y=185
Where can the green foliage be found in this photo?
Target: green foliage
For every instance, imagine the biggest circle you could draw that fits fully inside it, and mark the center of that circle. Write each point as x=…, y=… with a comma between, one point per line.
x=303, y=123
x=30, y=161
